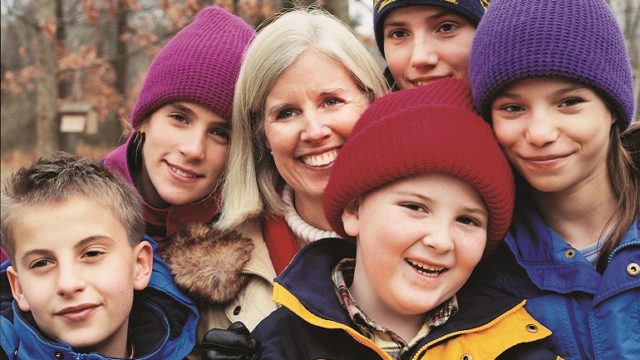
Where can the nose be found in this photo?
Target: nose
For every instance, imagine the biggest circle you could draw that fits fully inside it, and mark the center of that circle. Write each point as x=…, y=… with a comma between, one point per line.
x=438, y=237
x=541, y=129
x=70, y=280
x=424, y=53
x=315, y=130
x=193, y=147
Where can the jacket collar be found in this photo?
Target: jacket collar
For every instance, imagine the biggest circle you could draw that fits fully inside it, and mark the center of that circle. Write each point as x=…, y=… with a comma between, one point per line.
x=552, y=264
x=309, y=274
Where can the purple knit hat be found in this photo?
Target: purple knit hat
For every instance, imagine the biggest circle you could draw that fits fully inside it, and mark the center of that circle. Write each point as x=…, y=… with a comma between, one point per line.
x=199, y=64
x=575, y=39
x=471, y=9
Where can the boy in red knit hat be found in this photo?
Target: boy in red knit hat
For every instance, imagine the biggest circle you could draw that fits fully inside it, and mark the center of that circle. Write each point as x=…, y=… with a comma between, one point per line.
x=424, y=189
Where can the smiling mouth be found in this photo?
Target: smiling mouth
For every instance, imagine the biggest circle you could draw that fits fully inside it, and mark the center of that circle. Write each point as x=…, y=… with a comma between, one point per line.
x=183, y=173
x=422, y=82
x=425, y=269
x=546, y=162
x=78, y=313
x=323, y=159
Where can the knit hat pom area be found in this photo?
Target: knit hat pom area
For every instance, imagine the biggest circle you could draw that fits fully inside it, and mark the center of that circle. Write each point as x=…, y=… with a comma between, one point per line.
x=199, y=64
x=471, y=9
x=579, y=40
x=428, y=129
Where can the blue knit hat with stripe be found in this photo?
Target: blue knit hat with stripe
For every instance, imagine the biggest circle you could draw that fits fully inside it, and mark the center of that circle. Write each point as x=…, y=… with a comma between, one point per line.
x=575, y=39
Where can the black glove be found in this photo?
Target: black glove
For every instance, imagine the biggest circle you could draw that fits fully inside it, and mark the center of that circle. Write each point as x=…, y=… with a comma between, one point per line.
x=235, y=343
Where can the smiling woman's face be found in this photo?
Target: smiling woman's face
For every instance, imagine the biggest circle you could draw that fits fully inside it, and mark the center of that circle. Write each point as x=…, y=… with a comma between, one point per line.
x=309, y=114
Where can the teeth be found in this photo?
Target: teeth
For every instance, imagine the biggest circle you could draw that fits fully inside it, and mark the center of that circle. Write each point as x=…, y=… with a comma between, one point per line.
x=321, y=159
x=422, y=268
x=182, y=173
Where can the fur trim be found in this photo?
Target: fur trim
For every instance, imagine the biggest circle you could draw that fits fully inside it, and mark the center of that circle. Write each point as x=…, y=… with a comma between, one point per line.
x=206, y=263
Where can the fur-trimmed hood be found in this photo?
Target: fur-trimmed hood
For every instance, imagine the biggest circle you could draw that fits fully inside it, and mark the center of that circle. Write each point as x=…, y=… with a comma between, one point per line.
x=213, y=266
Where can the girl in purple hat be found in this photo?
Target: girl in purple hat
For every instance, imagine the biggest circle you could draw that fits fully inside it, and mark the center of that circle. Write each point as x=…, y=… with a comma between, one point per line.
x=554, y=80
x=425, y=40
x=181, y=120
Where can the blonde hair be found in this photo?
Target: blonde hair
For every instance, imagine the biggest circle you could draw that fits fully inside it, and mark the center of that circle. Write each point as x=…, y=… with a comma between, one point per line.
x=51, y=180
x=251, y=180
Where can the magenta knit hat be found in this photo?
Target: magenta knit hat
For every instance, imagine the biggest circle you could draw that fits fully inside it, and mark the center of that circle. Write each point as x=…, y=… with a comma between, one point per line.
x=575, y=39
x=199, y=64
x=428, y=129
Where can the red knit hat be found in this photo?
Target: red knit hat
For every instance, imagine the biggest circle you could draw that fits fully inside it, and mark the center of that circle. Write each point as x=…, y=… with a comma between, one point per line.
x=428, y=129
x=199, y=64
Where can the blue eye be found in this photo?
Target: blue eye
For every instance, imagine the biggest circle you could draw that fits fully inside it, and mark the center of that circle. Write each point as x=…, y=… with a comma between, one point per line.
x=333, y=101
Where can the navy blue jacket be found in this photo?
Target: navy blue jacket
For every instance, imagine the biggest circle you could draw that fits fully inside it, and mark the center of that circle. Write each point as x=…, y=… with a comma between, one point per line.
x=162, y=324
x=313, y=325
x=592, y=315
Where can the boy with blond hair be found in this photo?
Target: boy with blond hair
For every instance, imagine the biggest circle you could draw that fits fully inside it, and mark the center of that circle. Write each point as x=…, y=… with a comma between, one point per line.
x=85, y=284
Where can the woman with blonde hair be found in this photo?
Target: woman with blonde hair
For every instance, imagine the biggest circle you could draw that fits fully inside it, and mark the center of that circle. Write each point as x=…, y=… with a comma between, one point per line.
x=303, y=84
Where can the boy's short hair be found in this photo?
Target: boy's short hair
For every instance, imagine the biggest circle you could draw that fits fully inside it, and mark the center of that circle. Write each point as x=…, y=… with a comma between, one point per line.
x=428, y=129
x=50, y=180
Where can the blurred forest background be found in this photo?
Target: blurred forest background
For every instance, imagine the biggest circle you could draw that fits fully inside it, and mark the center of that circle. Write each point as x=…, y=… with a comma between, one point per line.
x=71, y=69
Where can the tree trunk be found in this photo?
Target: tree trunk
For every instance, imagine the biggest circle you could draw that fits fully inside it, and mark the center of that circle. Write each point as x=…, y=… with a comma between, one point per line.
x=339, y=8
x=47, y=137
x=121, y=61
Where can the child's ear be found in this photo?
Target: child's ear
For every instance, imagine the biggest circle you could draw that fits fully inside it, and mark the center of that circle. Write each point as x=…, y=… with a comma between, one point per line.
x=143, y=253
x=350, y=218
x=16, y=289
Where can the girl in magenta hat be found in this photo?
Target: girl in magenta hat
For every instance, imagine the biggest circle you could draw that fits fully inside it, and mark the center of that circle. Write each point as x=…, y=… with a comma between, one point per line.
x=555, y=81
x=181, y=120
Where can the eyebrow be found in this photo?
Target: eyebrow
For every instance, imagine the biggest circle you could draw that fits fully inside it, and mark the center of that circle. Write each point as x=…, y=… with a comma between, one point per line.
x=81, y=243
x=474, y=210
x=276, y=108
x=187, y=110
x=440, y=14
x=182, y=107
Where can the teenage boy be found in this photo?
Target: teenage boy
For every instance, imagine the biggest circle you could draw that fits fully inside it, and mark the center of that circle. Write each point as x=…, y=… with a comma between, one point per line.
x=424, y=189
x=84, y=282
x=425, y=40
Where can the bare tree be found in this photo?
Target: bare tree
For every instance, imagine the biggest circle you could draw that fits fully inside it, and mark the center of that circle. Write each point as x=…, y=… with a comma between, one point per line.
x=47, y=139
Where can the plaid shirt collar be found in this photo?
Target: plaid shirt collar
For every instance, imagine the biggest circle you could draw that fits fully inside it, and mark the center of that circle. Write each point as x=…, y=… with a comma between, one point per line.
x=389, y=341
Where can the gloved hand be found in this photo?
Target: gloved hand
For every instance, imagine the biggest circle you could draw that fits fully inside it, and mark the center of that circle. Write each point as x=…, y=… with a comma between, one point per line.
x=235, y=343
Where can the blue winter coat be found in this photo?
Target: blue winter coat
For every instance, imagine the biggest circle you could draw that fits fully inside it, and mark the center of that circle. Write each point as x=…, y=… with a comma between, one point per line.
x=162, y=324
x=591, y=315
x=313, y=325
